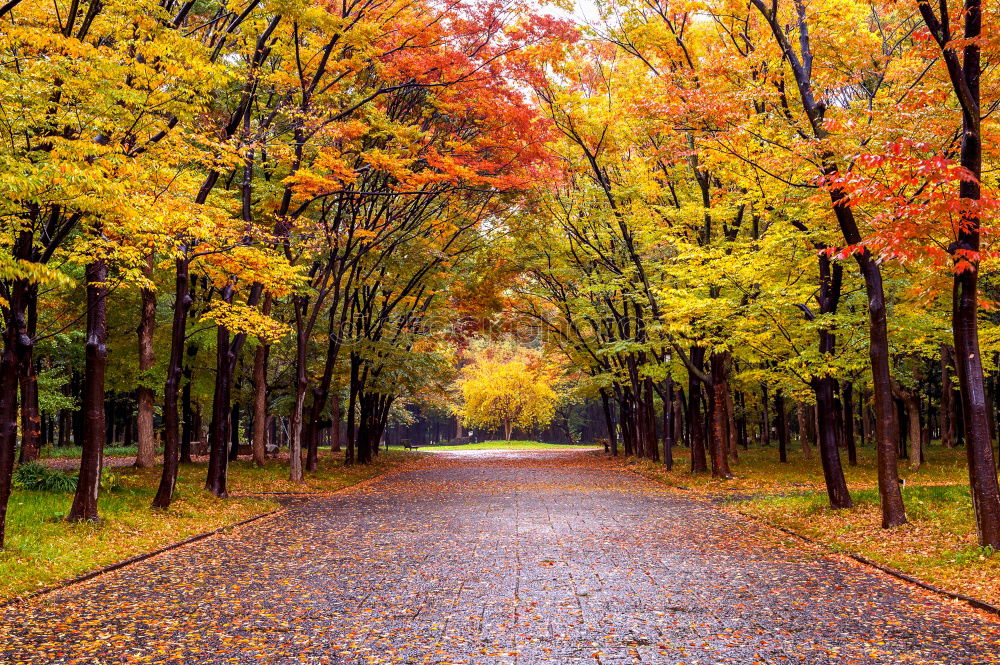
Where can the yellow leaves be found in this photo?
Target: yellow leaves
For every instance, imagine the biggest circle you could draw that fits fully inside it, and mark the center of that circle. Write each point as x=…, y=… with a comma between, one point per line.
x=507, y=392
x=35, y=273
x=238, y=317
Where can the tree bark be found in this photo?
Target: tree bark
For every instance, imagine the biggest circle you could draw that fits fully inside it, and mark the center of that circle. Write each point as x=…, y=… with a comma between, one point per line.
x=335, y=419
x=260, y=403
x=218, y=437
x=31, y=416
x=830, y=280
x=171, y=388
x=719, y=363
x=88, y=485
x=610, y=422
x=847, y=390
x=146, y=455
x=17, y=344
x=965, y=80
x=699, y=463
x=782, y=423
x=669, y=428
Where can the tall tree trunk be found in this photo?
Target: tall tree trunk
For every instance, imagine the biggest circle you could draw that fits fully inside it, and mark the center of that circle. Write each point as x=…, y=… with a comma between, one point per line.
x=335, y=420
x=731, y=430
x=234, y=432
x=260, y=403
x=782, y=423
x=300, y=386
x=352, y=402
x=717, y=407
x=911, y=400
x=649, y=417
x=16, y=346
x=31, y=419
x=669, y=428
x=965, y=79
x=171, y=416
x=847, y=390
x=31, y=416
x=765, y=417
x=146, y=455
x=218, y=436
x=830, y=280
x=833, y=473
x=699, y=463
x=88, y=485
x=610, y=422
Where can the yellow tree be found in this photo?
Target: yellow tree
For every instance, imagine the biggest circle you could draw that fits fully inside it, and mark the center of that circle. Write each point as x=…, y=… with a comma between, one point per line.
x=507, y=392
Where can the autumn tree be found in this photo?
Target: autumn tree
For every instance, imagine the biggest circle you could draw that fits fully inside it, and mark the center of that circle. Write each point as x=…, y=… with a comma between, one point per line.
x=507, y=392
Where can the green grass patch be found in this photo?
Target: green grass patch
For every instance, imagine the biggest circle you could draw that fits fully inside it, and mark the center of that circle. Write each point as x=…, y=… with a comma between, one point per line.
x=43, y=549
x=508, y=445
x=75, y=452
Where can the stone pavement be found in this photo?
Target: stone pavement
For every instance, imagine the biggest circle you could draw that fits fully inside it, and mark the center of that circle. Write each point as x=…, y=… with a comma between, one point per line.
x=495, y=558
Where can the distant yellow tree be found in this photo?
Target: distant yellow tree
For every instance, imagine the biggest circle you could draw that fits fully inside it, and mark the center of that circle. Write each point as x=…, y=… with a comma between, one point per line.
x=508, y=394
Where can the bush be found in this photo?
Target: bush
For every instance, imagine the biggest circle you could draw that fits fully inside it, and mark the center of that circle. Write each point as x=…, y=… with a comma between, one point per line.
x=38, y=477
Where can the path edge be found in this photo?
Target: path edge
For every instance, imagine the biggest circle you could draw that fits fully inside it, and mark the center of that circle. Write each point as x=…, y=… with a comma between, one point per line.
x=17, y=600
x=138, y=558
x=898, y=574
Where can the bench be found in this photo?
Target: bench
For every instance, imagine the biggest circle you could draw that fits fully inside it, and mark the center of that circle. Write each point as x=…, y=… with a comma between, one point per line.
x=410, y=446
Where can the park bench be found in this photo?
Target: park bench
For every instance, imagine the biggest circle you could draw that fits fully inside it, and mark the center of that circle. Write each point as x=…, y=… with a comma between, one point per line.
x=409, y=446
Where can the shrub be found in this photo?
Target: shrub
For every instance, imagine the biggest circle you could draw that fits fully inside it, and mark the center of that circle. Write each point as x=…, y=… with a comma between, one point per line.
x=38, y=477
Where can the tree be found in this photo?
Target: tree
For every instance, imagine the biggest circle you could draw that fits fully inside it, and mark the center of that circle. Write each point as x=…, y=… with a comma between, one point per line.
x=507, y=393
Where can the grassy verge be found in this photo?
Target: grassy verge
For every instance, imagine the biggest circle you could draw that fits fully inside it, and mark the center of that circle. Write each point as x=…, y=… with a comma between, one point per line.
x=506, y=445
x=43, y=549
x=938, y=545
x=55, y=452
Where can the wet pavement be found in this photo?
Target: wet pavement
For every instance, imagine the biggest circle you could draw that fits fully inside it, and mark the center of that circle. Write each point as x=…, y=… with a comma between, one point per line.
x=490, y=558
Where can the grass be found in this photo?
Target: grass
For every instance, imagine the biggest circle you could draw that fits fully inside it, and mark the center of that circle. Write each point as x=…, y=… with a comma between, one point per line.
x=77, y=451
x=42, y=548
x=937, y=545
x=506, y=445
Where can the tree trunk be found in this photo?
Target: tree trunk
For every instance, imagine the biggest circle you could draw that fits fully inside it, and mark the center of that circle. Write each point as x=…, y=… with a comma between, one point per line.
x=699, y=464
x=171, y=417
x=88, y=485
x=717, y=407
x=652, y=448
x=31, y=417
x=847, y=390
x=234, y=432
x=351, y=409
x=765, y=417
x=17, y=344
x=300, y=386
x=335, y=419
x=260, y=403
x=947, y=397
x=668, y=425
x=218, y=436
x=731, y=431
x=610, y=422
x=779, y=408
x=833, y=473
x=146, y=455
x=912, y=401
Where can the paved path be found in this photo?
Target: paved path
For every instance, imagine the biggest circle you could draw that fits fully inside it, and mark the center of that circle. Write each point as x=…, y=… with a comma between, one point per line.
x=489, y=559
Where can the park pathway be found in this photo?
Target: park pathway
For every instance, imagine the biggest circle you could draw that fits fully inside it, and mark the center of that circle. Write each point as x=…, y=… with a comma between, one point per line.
x=494, y=558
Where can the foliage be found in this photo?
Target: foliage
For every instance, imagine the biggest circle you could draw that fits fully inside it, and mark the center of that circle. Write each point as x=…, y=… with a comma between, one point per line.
x=507, y=393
